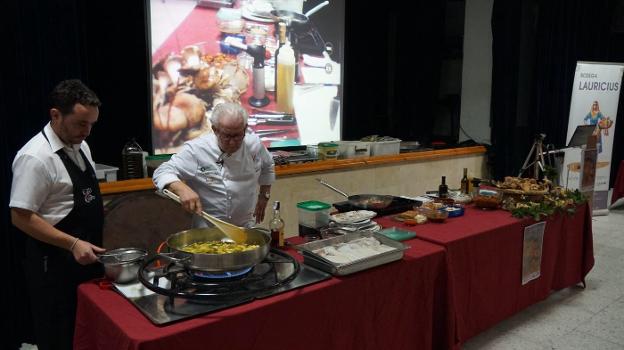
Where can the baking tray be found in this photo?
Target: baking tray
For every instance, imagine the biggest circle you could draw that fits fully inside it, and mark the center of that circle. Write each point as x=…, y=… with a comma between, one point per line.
x=315, y=260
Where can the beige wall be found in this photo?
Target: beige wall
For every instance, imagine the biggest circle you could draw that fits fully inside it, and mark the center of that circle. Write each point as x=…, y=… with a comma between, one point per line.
x=403, y=179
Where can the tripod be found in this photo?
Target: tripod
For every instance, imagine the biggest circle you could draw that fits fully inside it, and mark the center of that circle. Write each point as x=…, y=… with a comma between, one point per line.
x=538, y=157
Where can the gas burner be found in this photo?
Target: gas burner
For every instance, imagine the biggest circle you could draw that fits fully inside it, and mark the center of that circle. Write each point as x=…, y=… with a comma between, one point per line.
x=210, y=276
x=174, y=280
x=180, y=295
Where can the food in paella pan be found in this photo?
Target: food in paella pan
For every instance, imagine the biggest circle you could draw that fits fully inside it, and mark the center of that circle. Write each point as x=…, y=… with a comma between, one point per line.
x=520, y=184
x=218, y=247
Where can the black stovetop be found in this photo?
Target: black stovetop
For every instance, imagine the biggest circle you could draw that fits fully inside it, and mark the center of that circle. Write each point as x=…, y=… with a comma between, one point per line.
x=191, y=296
x=398, y=205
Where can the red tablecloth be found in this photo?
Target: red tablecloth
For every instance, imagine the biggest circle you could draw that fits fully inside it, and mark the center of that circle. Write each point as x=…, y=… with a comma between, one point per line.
x=395, y=306
x=618, y=187
x=484, y=259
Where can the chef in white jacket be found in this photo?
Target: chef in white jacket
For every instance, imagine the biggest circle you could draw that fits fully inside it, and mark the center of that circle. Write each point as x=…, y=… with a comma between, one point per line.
x=227, y=173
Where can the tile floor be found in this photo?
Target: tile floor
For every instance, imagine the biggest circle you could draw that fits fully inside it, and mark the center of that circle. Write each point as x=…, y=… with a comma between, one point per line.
x=572, y=318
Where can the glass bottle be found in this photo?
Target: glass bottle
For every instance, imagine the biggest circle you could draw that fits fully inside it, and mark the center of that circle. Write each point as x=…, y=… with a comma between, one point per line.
x=282, y=41
x=132, y=161
x=443, y=188
x=464, y=182
x=285, y=84
x=277, y=227
x=475, y=186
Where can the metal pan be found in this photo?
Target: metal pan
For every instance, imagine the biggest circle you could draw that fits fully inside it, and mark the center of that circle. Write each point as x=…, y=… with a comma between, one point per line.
x=363, y=201
x=290, y=17
x=216, y=262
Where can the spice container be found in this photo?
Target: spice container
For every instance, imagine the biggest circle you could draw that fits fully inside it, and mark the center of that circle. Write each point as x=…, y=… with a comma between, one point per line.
x=327, y=150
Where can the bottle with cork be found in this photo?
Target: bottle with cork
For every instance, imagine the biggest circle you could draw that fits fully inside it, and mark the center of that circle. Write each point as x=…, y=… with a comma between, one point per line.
x=277, y=227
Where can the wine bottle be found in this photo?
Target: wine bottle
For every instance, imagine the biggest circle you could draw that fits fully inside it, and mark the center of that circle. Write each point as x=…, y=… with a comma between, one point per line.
x=464, y=182
x=443, y=188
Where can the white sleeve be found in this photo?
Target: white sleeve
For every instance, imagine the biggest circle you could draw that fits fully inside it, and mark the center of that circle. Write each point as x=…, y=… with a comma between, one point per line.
x=31, y=183
x=267, y=172
x=182, y=166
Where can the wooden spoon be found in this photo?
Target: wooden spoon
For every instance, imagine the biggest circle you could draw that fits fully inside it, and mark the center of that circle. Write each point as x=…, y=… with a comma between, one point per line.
x=236, y=233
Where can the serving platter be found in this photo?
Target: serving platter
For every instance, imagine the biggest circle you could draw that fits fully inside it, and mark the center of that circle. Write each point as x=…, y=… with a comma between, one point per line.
x=353, y=216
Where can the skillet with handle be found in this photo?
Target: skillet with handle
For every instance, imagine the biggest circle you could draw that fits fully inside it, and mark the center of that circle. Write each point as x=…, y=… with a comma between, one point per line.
x=363, y=201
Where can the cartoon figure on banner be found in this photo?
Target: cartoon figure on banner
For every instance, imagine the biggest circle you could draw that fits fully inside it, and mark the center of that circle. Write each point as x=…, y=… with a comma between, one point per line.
x=595, y=117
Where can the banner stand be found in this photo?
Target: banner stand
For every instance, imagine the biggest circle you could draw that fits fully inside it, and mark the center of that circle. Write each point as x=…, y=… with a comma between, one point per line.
x=594, y=103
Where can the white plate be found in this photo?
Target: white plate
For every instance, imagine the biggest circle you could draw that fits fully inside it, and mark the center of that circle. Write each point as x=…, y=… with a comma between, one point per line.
x=350, y=217
x=253, y=17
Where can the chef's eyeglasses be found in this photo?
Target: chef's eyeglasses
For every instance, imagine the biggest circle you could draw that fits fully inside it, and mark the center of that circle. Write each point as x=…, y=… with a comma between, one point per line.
x=231, y=137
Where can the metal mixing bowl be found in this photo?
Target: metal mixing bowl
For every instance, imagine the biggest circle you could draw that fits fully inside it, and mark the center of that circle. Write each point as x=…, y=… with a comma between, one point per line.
x=122, y=265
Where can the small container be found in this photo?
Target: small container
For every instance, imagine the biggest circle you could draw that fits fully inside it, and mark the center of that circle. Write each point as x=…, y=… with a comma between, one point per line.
x=122, y=265
x=434, y=215
x=353, y=149
x=155, y=161
x=106, y=173
x=327, y=150
x=313, y=215
x=487, y=199
x=229, y=20
x=380, y=148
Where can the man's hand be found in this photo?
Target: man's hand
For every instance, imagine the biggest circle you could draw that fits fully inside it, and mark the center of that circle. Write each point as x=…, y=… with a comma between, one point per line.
x=188, y=197
x=260, y=208
x=84, y=252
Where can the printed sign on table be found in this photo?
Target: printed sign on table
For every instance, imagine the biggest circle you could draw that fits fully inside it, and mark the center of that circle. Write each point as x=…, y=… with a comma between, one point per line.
x=532, y=251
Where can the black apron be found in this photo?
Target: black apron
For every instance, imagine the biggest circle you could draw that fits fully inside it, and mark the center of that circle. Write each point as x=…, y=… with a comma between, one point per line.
x=52, y=273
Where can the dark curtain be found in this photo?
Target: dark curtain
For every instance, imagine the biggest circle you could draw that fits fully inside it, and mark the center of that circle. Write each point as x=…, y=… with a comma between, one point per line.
x=392, y=68
x=101, y=43
x=536, y=45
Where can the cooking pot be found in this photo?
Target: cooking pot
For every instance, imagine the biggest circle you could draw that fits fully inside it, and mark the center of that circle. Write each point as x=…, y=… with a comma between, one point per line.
x=216, y=262
x=363, y=201
x=121, y=265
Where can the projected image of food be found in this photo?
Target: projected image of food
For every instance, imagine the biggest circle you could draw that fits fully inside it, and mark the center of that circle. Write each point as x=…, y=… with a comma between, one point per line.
x=280, y=59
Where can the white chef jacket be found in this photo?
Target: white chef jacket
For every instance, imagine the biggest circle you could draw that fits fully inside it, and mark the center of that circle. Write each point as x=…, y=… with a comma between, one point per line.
x=227, y=186
x=41, y=182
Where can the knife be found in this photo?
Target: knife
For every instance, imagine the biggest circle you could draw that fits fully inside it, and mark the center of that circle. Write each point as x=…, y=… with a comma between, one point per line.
x=285, y=120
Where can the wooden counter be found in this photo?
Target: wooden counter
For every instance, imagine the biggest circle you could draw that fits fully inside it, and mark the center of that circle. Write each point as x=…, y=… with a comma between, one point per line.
x=305, y=168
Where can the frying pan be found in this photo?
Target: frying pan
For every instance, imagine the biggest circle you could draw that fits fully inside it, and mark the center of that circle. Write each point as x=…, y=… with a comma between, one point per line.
x=363, y=201
x=216, y=262
x=297, y=18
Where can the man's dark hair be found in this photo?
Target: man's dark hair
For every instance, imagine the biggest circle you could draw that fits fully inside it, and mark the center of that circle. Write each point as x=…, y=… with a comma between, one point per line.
x=69, y=92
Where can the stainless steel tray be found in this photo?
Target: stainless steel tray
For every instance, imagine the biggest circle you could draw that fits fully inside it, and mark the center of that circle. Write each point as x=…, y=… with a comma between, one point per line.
x=315, y=260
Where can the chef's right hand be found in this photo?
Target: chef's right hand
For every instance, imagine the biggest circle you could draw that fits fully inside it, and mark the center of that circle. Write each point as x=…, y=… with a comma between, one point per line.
x=188, y=197
x=84, y=252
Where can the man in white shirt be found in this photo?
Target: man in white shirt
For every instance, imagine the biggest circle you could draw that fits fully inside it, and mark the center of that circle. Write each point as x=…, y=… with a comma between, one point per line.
x=220, y=172
x=55, y=200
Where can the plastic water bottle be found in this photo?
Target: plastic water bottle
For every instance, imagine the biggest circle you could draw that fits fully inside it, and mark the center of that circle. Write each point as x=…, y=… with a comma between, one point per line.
x=132, y=161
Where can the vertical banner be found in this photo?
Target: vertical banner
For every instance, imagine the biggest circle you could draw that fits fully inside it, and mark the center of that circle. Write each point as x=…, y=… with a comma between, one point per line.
x=595, y=96
x=532, y=251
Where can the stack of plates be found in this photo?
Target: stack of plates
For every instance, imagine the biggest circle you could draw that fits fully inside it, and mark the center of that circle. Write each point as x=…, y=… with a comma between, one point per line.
x=353, y=221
